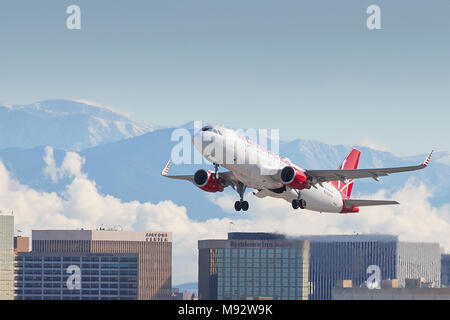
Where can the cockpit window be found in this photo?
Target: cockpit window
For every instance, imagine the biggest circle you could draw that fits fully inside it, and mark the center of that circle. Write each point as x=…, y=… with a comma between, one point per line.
x=212, y=129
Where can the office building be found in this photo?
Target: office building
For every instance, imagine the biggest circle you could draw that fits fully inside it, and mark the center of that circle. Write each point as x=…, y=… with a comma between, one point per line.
x=6, y=257
x=445, y=270
x=337, y=257
x=153, y=251
x=21, y=244
x=76, y=276
x=253, y=266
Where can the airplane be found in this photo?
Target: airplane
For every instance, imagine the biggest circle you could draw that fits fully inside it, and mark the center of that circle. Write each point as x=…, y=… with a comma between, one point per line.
x=272, y=176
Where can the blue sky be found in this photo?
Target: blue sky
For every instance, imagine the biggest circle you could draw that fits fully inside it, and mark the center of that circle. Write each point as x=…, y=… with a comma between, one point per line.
x=310, y=68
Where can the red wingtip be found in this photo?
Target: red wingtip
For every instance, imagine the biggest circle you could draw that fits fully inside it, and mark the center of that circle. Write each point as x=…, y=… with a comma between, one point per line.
x=427, y=160
x=166, y=168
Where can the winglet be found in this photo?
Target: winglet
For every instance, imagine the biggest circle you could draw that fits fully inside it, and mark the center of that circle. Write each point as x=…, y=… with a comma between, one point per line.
x=425, y=163
x=166, y=168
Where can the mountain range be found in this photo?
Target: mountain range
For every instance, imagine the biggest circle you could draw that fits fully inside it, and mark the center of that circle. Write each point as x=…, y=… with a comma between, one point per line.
x=64, y=124
x=125, y=158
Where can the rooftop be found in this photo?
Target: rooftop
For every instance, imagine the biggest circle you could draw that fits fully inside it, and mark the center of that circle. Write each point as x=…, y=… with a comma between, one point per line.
x=105, y=235
x=312, y=238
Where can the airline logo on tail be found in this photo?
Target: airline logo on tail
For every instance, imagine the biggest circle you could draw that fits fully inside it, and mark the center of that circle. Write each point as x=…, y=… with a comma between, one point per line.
x=345, y=186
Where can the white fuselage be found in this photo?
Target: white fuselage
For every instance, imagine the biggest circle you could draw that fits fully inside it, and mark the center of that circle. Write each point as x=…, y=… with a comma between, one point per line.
x=255, y=166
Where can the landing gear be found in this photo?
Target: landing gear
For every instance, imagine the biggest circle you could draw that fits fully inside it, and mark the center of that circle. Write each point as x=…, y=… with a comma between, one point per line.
x=241, y=204
x=216, y=171
x=299, y=202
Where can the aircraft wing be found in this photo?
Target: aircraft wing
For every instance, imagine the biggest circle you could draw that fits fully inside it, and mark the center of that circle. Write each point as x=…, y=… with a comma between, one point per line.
x=319, y=176
x=365, y=203
x=227, y=177
x=165, y=172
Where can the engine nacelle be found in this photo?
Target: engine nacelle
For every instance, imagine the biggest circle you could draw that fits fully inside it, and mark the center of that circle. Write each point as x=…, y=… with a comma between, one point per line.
x=205, y=181
x=294, y=178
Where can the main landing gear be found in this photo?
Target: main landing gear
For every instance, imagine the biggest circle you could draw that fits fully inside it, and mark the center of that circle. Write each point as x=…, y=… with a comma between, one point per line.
x=241, y=204
x=238, y=205
x=299, y=202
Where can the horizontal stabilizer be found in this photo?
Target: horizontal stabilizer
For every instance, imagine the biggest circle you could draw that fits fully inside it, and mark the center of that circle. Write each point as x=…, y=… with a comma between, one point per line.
x=365, y=203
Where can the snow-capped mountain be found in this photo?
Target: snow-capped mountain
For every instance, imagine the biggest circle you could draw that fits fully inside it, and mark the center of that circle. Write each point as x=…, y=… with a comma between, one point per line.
x=64, y=124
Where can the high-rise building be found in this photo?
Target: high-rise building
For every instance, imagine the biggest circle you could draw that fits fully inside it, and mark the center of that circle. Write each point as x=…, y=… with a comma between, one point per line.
x=104, y=258
x=253, y=266
x=6, y=257
x=21, y=244
x=445, y=270
x=337, y=257
x=258, y=264
x=76, y=276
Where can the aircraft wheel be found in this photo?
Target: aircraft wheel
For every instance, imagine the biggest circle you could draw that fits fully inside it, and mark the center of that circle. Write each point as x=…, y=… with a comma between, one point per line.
x=237, y=206
x=302, y=204
x=295, y=204
x=244, y=205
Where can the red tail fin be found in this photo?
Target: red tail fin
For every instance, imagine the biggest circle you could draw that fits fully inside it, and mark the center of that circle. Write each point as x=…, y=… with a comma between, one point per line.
x=350, y=162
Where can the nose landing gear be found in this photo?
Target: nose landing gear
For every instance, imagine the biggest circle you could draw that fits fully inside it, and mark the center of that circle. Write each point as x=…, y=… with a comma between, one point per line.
x=216, y=171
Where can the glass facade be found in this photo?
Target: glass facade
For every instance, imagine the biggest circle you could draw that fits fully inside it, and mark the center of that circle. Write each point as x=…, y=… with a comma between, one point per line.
x=260, y=272
x=347, y=257
x=250, y=265
x=101, y=276
x=445, y=270
x=6, y=257
x=253, y=268
x=154, y=250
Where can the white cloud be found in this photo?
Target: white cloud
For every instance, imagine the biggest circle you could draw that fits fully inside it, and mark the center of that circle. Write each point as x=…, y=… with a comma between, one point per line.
x=71, y=166
x=373, y=145
x=82, y=205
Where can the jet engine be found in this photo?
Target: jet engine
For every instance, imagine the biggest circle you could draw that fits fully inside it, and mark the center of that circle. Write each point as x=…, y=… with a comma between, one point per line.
x=294, y=178
x=206, y=181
